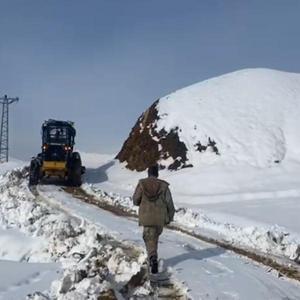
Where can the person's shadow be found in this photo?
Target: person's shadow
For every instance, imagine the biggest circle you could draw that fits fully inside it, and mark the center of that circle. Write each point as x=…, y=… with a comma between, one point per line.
x=194, y=254
x=99, y=174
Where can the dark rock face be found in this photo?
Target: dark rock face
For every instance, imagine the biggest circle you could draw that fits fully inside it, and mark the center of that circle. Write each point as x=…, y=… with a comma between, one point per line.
x=145, y=146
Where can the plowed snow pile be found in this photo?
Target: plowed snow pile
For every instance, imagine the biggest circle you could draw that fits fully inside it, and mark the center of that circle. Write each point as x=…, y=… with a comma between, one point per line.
x=47, y=254
x=252, y=115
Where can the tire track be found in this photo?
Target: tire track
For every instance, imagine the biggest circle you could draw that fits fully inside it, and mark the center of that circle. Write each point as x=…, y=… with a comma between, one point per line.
x=167, y=289
x=284, y=267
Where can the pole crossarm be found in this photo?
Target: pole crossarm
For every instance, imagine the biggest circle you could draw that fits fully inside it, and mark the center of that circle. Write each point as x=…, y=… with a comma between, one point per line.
x=8, y=100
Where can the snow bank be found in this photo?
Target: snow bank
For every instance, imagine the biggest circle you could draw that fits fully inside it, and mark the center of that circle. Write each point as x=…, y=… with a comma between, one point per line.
x=11, y=164
x=252, y=115
x=93, y=263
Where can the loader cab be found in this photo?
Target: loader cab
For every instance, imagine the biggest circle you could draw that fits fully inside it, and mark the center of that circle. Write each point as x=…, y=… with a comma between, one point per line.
x=58, y=140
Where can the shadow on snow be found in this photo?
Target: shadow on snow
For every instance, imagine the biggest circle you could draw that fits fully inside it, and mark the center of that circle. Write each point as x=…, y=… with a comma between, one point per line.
x=98, y=175
x=194, y=254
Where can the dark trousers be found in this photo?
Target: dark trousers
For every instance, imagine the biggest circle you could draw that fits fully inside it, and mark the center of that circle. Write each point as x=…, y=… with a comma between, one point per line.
x=151, y=235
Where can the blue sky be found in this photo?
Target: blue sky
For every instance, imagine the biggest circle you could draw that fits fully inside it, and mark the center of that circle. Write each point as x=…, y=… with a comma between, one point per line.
x=101, y=63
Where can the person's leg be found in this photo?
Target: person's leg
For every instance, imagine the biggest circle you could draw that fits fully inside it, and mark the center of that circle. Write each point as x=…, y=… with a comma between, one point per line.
x=150, y=236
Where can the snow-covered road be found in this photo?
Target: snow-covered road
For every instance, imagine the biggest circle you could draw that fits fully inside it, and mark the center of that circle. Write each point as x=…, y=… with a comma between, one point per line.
x=209, y=272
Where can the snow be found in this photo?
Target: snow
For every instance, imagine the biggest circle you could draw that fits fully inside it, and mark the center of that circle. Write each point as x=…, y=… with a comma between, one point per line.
x=247, y=208
x=20, y=279
x=92, y=159
x=249, y=193
x=16, y=246
x=56, y=228
x=251, y=114
x=285, y=213
x=24, y=267
x=52, y=254
x=11, y=164
x=209, y=272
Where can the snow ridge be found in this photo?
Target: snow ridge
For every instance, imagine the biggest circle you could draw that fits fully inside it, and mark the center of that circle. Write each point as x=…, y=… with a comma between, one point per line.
x=251, y=115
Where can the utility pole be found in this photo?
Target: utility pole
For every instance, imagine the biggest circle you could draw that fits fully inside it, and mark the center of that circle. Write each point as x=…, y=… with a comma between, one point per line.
x=5, y=101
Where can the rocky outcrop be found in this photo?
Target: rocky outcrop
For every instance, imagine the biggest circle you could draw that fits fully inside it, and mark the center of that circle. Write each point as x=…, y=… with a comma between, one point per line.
x=145, y=146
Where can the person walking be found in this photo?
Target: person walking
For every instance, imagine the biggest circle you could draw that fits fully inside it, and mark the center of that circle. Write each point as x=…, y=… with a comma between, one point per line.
x=156, y=209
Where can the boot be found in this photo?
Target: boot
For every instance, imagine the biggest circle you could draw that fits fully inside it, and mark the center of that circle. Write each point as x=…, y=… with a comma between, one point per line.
x=153, y=264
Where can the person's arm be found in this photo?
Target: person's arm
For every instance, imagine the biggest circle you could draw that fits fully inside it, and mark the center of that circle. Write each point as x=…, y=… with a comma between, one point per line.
x=137, y=196
x=170, y=205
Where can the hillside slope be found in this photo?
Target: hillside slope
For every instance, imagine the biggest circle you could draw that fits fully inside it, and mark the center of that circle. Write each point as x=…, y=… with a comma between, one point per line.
x=245, y=117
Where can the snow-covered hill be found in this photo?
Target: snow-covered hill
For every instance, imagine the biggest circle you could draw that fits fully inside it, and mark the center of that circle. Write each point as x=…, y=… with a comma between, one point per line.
x=240, y=133
x=91, y=160
x=245, y=117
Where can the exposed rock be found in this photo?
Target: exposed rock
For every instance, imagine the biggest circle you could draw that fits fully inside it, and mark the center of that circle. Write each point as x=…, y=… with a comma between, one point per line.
x=108, y=295
x=140, y=149
x=66, y=284
x=145, y=146
x=210, y=144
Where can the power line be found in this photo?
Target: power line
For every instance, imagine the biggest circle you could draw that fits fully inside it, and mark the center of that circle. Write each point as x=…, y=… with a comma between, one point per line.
x=5, y=101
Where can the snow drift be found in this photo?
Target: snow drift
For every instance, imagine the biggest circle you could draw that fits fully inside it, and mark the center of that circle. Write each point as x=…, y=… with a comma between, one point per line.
x=55, y=254
x=245, y=117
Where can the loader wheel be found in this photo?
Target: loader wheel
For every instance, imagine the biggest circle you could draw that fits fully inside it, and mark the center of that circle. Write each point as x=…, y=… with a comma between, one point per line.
x=34, y=173
x=74, y=177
